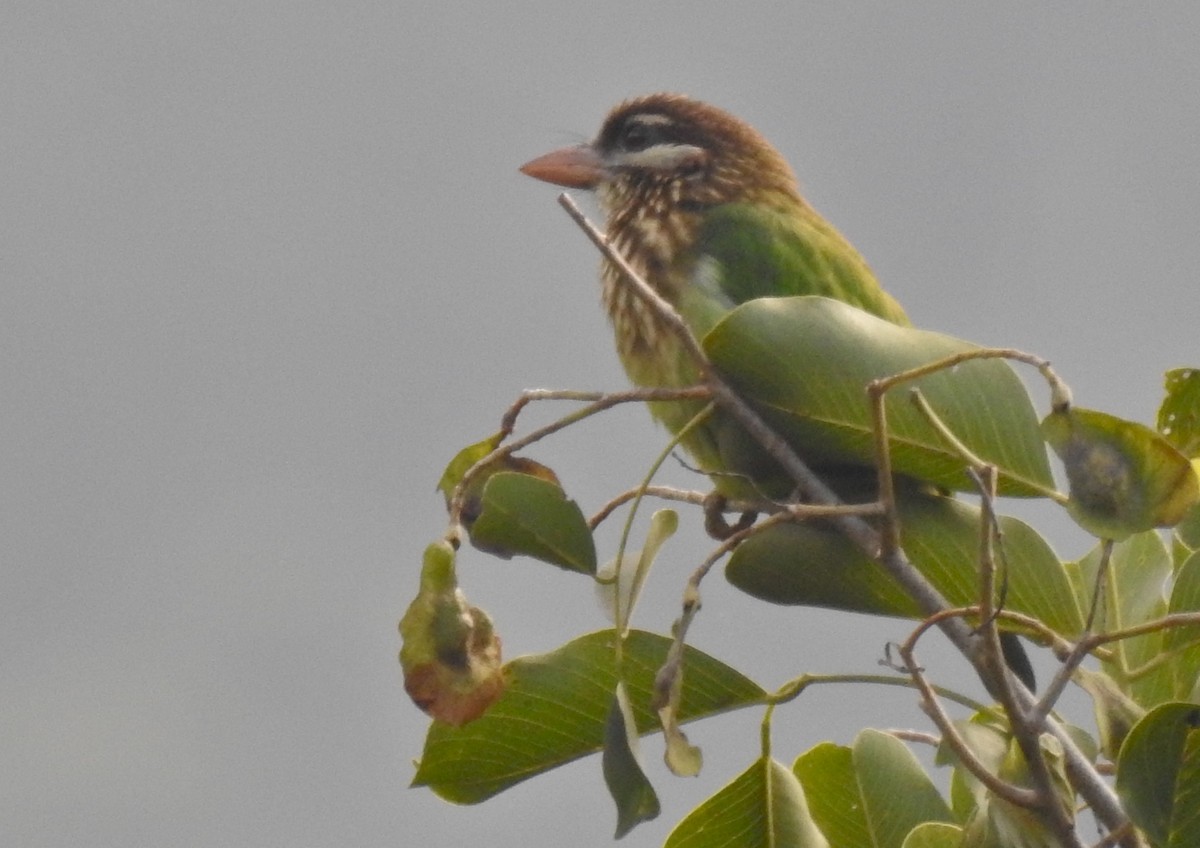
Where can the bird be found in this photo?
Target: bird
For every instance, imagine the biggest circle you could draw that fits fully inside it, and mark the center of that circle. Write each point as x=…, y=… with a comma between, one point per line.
x=711, y=216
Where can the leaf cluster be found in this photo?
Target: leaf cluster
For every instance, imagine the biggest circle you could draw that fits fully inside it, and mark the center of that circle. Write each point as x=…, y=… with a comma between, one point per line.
x=1123, y=620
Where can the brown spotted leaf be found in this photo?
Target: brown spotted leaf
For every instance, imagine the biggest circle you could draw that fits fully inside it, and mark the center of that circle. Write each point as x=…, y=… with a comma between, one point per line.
x=450, y=653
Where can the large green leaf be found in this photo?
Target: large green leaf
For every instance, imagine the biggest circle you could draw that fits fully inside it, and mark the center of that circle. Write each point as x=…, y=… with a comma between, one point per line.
x=1188, y=530
x=869, y=796
x=763, y=807
x=805, y=363
x=555, y=709
x=1158, y=775
x=813, y=564
x=896, y=792
x=1116, y=713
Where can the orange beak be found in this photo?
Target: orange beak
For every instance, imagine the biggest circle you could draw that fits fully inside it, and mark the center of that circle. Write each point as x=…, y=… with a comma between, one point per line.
x=571, y=167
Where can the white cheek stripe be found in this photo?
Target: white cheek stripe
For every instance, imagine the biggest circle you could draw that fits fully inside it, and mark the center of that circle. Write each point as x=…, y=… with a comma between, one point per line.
x=662, y=157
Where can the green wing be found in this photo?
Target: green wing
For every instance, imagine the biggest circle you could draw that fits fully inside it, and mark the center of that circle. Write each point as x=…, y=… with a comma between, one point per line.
x=743, y=252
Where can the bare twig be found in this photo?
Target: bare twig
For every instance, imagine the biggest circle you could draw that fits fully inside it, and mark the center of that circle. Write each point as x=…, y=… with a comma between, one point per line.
x=1026, y=726
x=1082, y=648
x=1060, y=394
x=598, y=403
x=666, y=493
x=889, y=535
x=1018, y=795
x=794, y=688
x=508, y=422
x=917, y=736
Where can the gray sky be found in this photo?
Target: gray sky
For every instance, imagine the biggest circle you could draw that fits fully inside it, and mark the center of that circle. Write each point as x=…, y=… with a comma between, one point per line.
x=267, y=266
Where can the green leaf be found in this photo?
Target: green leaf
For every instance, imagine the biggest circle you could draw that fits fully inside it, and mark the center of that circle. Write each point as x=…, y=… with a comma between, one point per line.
x=1124, y=477
x=555, y=708
x=1179, y=415
x=827, y=774
x=1158, y=775
x=764, y=806
x=897, y=794
x=815, y=565
x=623, y=775
x=869, y=796
x=805, y=363
x=1140, y=568
x=452, y=478
x=522, y=514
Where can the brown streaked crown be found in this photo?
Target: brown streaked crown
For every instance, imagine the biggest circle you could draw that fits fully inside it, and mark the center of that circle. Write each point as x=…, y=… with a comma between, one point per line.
x=710, y=156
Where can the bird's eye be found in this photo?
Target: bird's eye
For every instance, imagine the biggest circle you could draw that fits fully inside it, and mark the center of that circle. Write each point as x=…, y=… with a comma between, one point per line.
x=636, y=137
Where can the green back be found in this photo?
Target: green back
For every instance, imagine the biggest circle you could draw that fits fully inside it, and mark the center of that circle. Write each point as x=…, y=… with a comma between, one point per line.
x=743, y=252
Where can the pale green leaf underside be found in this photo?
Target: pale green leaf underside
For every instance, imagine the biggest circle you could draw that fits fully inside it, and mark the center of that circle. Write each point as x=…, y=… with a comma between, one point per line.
x=805, y=363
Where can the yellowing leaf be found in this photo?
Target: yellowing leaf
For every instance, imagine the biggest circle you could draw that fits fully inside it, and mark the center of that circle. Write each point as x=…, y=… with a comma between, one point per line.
x=1124, y=477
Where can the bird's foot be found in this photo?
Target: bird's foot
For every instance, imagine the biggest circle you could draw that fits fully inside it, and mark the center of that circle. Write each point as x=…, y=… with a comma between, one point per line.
x=714, y=518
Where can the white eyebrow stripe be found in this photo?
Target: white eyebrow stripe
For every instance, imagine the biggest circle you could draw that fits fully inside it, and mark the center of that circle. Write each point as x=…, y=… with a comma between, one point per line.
x=651, y=120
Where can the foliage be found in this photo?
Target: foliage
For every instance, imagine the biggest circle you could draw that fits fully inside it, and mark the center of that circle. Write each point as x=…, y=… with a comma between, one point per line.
x=889, y=538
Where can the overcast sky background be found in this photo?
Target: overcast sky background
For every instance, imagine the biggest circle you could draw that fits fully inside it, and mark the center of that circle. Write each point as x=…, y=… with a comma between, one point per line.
x=267, y=266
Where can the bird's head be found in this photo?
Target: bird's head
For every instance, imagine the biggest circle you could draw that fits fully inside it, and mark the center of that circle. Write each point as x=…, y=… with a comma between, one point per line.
x=666, y=153
x=659, y=163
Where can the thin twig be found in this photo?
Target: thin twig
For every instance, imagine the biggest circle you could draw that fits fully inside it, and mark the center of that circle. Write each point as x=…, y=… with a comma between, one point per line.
x=794, y=688
x=599, y=403
x=1082, y=649
x=917, y=736
x=889, y=534
x=1026, y=726
x=508, y=421
x=1018, y=795
x=666, y=493
x=622, y=623
x=935, y=421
